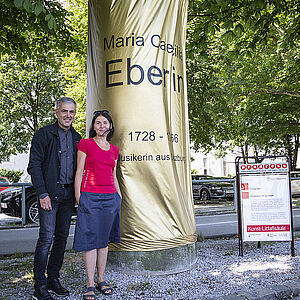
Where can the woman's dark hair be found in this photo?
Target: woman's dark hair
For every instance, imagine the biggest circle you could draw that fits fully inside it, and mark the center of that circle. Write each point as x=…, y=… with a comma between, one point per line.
x=105, y=114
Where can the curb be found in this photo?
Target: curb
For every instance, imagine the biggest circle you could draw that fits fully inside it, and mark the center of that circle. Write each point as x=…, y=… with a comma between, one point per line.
x=215, y=212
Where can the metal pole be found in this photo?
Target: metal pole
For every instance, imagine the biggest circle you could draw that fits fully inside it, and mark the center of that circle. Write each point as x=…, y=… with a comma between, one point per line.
x=239, y=210
x=291, y=210
x=23, y=206
x=235, y=194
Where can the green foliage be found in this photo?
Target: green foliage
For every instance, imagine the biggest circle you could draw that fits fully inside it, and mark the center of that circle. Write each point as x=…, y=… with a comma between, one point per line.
x=200, y=237
x=243, y=75
x=28, y=91
x=78, y=19
x=140, y=286
x=236, y=18
x=35, y=28
x=49, y=46
x=74, y=70
x=74, y=66
x=12, y=175
x=228, y=252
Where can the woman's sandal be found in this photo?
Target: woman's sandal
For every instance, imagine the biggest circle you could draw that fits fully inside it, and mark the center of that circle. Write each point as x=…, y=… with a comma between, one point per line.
x=105, y=291
x=86, y=296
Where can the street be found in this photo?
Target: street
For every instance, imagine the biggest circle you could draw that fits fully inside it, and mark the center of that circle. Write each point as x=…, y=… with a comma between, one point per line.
x=226, y=224
x=209, y=226
x=217, y=225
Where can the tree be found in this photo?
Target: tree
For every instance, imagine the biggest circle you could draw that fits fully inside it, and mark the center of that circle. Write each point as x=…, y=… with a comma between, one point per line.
x=243, y=75
x=74, y=66
x=74, y=70
x=235, y=19
x=28, y=91
x=35, y=28
x=49, y=61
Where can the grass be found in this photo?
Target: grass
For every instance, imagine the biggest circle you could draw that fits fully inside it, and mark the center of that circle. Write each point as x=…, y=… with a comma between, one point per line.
x=200, y=237
x=16, y=272
x=141, y=286
x=228, y=252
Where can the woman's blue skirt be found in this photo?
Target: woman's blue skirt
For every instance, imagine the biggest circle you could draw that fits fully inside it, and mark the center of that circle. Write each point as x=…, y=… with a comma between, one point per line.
x=98, y=221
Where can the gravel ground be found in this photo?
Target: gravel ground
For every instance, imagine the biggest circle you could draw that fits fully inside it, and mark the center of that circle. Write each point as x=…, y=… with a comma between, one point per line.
x=219, y=272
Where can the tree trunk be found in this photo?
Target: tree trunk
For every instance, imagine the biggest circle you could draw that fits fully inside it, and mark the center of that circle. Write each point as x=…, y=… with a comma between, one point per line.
x=296, y=150
x=243, y=154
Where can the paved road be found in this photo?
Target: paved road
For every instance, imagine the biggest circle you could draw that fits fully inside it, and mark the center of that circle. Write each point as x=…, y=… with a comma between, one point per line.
x=24, y=239
x=215, y=225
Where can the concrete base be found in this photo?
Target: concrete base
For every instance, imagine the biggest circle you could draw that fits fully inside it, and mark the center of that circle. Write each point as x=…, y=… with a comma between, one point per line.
x=159, y=262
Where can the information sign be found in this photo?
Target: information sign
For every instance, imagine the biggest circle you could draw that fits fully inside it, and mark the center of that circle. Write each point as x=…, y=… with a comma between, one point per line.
x=264, y=200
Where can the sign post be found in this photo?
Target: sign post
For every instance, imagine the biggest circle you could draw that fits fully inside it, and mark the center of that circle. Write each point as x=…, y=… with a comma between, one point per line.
x=264, y=200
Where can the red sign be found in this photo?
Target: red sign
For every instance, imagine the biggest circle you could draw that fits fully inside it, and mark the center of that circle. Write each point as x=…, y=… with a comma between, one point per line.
x=267, y=228
x=268, y=166
x=245, y=186
x=245, y=195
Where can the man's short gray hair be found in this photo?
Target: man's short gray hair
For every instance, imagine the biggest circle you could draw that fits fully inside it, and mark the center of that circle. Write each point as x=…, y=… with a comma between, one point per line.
x=65, y=100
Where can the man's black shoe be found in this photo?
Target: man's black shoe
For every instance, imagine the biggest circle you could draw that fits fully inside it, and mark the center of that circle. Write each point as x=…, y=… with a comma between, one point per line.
x=41, y=293
x=55, y=287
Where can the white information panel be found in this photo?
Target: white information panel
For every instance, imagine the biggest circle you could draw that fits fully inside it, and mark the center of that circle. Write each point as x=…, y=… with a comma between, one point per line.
x=265, y=202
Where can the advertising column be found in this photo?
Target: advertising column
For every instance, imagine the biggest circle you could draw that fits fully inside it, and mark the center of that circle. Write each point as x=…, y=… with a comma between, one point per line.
x=136, y=70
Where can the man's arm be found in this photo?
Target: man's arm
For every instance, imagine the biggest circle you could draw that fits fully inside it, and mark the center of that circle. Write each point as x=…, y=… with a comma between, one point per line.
x=36, y=159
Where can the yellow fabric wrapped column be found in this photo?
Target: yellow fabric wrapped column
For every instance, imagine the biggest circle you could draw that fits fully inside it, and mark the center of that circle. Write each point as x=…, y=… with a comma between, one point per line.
x=136, y=70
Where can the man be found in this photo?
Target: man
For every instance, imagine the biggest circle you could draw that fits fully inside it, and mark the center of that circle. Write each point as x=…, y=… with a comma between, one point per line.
x=52, y=166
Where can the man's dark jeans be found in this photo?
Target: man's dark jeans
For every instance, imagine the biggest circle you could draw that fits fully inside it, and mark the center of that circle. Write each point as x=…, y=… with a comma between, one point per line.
x=54, y=227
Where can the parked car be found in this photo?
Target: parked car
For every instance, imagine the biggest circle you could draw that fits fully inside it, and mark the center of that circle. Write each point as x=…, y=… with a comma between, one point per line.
x=11, y=203
x=206, y=191
x=4, y=180
x=295, y=184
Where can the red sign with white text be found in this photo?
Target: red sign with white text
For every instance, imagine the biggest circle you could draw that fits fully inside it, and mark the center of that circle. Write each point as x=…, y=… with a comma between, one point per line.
x=264, y=167
x=268, y=228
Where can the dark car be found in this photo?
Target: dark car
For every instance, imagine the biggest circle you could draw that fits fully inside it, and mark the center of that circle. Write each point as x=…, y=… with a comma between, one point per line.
x=295, y=184
x=206, y=191
x=4, y=180
x=11, y=203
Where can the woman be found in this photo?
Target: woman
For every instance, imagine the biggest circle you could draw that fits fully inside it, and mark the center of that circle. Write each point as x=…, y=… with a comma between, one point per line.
x=98, y=197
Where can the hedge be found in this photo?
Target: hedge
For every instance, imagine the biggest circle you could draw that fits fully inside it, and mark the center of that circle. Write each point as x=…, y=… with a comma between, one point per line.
x=12, y=175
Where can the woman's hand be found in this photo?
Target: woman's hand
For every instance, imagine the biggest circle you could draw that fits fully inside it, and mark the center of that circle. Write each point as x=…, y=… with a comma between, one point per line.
x=77, y=197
